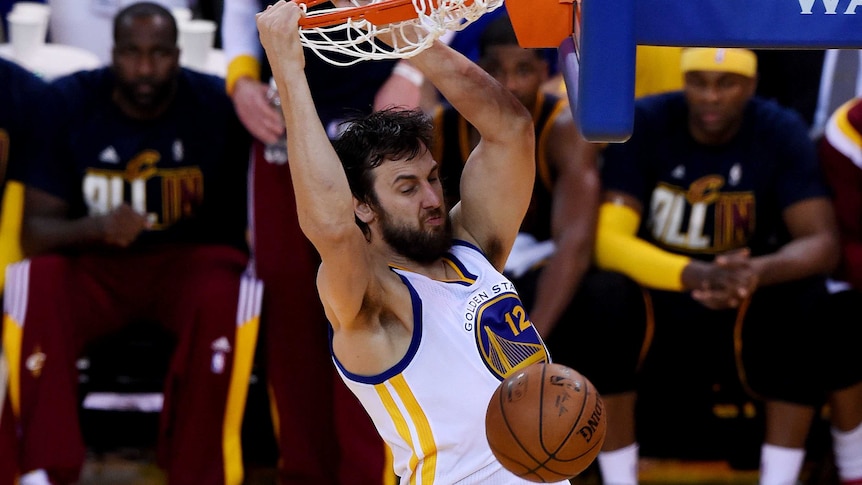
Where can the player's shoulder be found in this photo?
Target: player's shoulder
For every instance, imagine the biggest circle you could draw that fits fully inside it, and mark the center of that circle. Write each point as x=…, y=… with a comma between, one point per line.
x=204, y=95
x=78, y=92
x=80, y=83
x=843, y=131
x=771, y=110
x=20, y=86
x=770, y=117
x=14, y=73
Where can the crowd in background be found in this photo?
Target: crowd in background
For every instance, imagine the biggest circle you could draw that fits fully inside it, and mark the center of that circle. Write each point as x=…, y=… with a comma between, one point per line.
x=623, y=245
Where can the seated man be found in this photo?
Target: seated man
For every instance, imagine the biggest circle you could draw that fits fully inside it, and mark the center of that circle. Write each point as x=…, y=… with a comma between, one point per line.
x=716, y=206
x=139, y=215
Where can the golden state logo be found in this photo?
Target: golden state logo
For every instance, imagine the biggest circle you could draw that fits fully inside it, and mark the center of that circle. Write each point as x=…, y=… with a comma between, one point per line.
x=505, y=336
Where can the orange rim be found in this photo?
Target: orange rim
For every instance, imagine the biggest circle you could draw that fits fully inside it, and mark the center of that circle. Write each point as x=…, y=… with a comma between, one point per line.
x=382, y=13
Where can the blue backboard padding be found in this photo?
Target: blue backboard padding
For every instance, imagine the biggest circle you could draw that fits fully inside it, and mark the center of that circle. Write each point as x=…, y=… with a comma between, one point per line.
x=607, y=70
x=604, y=102
x=749, y=23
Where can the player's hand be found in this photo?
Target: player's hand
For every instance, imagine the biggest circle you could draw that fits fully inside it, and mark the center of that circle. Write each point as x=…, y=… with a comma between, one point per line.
x=254, y=111
x=278, y=27
x=727, y=282
x=122, y=226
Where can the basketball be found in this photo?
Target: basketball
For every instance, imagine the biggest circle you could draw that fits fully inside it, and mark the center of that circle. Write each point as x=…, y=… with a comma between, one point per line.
x=545, y=423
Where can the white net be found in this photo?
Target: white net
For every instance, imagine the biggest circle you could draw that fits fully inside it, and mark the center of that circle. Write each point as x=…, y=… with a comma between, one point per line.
x=355, y=39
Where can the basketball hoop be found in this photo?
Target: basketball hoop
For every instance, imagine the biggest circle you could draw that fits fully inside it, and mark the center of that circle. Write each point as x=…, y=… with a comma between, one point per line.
x=347, y=35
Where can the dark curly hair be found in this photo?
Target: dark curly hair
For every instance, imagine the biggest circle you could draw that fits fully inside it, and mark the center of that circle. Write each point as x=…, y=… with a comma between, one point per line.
x=368, y=141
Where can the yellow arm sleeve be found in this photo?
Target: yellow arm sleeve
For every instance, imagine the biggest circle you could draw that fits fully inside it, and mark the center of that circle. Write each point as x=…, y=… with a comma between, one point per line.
x=10, y=227
x=241, y=66
x=619, y=249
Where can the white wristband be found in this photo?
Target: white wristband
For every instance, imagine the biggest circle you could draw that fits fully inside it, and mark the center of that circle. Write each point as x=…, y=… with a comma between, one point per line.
x=409, y=73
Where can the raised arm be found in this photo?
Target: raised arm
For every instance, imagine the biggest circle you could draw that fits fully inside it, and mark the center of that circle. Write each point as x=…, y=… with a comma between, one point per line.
x=323, y=198
x=497, y=181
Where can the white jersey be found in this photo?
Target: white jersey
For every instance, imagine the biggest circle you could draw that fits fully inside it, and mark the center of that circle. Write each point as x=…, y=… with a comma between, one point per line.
x=468, y=334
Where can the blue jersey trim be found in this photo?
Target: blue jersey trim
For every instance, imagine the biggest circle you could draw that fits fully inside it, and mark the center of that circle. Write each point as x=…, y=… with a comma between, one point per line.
x=461, y=242
x=408, y=357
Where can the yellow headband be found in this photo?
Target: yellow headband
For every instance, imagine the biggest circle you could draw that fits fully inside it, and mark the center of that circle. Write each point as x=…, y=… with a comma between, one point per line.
x=739, y=61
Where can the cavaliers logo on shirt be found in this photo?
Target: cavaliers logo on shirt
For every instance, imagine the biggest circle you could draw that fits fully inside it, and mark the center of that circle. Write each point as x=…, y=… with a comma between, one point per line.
x=164, y=194
x=711, y=215
x=505, y=336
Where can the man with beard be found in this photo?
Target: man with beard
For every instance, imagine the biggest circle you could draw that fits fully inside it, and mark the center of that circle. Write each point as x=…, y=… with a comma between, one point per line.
x=138, y=218
x=417, y=305
x=717, y=208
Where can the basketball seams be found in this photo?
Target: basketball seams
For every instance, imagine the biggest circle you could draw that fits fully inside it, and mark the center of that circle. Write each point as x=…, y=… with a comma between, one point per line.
x=577, y=421
x=514, y=435
x=519, y=439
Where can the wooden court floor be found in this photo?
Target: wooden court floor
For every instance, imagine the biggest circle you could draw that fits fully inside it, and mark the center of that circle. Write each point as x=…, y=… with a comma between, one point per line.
x=136, y=467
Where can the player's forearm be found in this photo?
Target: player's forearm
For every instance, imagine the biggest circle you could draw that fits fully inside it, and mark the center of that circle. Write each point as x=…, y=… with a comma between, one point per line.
x=323, y=196
x=808, y=256
x=574, y=237
x=488, y=106
x=556, y=287
x=41, y=235
x=619, y=249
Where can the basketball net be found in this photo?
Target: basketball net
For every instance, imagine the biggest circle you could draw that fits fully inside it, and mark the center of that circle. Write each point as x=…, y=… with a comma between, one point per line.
x=346, y=35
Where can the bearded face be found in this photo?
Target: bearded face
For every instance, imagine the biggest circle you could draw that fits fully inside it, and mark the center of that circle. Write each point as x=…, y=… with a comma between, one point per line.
x=424, y=244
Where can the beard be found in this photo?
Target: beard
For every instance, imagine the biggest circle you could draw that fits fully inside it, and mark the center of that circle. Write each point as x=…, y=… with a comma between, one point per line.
x=420, y=246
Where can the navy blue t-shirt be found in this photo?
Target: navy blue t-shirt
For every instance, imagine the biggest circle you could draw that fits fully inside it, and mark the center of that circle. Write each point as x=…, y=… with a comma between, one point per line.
x=186, y=170
x=703, y=200
x=23, y=105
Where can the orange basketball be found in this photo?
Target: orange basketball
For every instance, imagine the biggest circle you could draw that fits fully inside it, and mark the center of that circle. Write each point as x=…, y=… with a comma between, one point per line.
x=545, y=423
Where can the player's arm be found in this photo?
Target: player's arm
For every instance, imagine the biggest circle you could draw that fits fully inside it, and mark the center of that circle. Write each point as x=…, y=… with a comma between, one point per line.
x=574, y=213
x=814, y=248
x=618, y=248
x=46, y=226
x=497, y=181
x=324, y=201
x=807, y=211
x=403, y=87
x=243, y=50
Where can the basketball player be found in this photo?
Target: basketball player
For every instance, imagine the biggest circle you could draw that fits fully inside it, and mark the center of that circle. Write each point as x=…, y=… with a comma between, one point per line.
x=327, y=440
x=716, y=206
x=413, y=293
x=139, y=216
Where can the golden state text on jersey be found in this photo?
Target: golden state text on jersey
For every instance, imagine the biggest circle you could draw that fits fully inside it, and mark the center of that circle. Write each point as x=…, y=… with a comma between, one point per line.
x=505, y=336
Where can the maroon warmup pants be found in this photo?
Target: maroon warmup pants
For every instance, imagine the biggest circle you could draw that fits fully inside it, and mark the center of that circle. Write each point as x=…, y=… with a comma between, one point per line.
x=55, y=305
x=325, y=437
